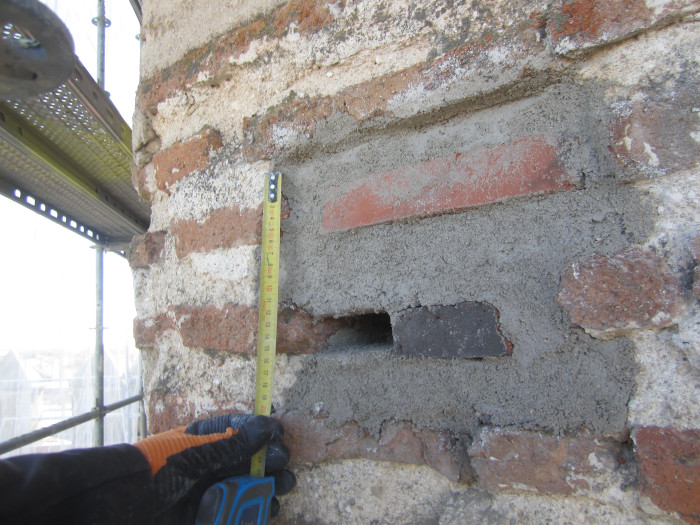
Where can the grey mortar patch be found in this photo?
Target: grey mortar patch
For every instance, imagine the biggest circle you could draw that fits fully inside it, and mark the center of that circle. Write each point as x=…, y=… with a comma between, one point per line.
x=509, y=255
x=586, y=383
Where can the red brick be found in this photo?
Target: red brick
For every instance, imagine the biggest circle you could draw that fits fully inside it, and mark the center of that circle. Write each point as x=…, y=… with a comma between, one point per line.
x=656, y=137
x=513, y=460
x=300, y=115
x=140, y=182
x=309, y=16
x=577, y=26
x=612, y=296
x=315, y=441
x=167, y=410
x=299, y=333
x=669, y=468
x=223, y=228
x=147, y=331
x=370, y=99
x=233, y=328
x=146, y=249
x=528, y=166
x=441, y=452
x=176, y=162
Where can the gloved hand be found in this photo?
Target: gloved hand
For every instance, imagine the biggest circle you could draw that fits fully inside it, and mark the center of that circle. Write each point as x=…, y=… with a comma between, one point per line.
x=186, y=462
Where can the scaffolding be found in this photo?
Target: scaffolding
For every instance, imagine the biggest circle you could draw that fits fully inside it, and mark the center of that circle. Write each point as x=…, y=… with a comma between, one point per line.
x=66, y=154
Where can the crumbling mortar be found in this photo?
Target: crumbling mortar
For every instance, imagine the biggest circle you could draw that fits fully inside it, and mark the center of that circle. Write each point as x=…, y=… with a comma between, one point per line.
x=385, y=124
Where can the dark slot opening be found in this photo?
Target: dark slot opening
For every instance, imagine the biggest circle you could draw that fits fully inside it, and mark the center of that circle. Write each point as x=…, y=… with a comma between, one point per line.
x=363, y=330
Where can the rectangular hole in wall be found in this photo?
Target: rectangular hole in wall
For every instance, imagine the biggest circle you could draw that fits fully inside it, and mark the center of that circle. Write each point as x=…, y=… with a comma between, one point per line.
x=363, y=331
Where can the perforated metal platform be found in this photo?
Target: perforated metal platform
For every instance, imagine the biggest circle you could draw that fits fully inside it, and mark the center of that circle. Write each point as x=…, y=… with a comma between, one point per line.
x=67, y=155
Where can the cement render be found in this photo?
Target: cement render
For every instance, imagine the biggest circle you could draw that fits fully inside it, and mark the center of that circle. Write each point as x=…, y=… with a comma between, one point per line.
x=508, y=254
x=581, y=384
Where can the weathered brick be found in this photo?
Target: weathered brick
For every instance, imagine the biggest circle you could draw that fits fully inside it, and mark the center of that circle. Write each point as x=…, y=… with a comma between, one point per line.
x=695, y=250
x=308, y=16
x=613, y=296
x=371, y=98
x=142, y=182
x=223, y=228
x=530, y=461
x=313, y=440
x=176, y=162
x=520, y=43
x=168, y=410
x=233, y=328
x=300, y=115
x=577, y=26
x=467, y=329
x=528, y=166
x=147, y=331
x=146, y=249
x=657, y=137
x=299, y=333
x=669, y=468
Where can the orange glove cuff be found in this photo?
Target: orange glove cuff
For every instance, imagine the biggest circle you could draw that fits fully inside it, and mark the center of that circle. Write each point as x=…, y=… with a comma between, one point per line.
x=160, y=447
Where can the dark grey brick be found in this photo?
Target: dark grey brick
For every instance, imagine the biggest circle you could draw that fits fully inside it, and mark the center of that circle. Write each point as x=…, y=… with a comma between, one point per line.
x=467, y=330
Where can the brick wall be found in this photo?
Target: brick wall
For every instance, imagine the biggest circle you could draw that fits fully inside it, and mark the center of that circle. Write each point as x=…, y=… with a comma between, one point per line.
x=490, y=249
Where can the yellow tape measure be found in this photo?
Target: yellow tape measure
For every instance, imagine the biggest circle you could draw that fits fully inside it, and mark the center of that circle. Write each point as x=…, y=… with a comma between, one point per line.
x=267, y=313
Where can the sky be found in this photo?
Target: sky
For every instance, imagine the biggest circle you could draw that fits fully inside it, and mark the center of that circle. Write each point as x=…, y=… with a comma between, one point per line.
x=47, y=298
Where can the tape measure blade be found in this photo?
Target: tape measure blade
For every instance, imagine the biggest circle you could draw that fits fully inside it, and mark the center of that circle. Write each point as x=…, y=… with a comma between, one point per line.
x=267, y=309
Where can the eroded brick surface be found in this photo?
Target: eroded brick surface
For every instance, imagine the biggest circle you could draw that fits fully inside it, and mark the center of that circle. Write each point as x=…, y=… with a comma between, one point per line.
x=528, y=166
x=233, y=328
x=669, y=467
x=312, y=440
x=147, y=331
x=140, y=180
x=468, y=329
x=612, y=296
x=306, y=16
x=168, y=410
x=576, y=26
x=371, y=99
x=146, y=249
x=176, y=162
x=534, y=462
x=223, y=228
x=582, y=22
x=299, y=333
x=657, y=137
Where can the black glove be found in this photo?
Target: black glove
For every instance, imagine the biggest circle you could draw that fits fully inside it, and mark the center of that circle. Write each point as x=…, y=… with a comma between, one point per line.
x=192, y=464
